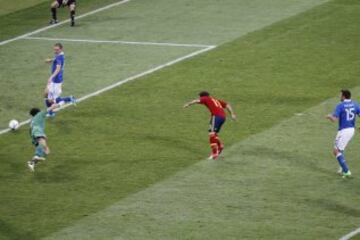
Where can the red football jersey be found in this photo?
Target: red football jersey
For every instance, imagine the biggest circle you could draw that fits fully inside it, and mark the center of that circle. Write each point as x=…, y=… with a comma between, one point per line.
x=215, y=106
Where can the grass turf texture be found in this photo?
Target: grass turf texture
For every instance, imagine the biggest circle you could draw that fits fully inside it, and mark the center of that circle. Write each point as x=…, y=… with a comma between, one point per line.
x=118, y=144
x=87, y=73
x=33, y=14
x=7, y=7
x=86, y=63
x=267, y=192
x=187, y=21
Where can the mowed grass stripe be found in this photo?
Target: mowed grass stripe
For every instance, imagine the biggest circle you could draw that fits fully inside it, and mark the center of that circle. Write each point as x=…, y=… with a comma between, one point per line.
x=83, y=76
x=30, y=17
x=202, y=21
x=132, y=137
x=278, y=184
x=89, y=68
x=7, y=7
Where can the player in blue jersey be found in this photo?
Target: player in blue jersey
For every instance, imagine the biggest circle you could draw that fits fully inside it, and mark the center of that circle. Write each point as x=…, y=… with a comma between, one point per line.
x=345, y=113
x=54, y=86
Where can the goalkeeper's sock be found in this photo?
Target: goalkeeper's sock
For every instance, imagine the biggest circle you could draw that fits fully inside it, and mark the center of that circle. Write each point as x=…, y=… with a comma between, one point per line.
x=40, y=150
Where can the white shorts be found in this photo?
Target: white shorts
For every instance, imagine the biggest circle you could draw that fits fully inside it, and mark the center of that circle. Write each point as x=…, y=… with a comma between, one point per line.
x=54, y=90
x=343, y=137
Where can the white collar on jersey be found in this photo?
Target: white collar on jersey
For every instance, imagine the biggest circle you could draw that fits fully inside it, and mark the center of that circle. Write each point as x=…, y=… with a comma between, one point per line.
x=62, y=53
x=347, y=100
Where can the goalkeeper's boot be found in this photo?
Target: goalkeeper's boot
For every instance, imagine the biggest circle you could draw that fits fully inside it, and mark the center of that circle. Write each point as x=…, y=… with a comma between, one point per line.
x=31, y=165
x=36, y=159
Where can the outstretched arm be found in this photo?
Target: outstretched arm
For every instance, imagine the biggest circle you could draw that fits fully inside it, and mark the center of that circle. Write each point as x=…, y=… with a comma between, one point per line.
x=332, y=118
x=49, y=60
x=231, y=111
x=196, y=101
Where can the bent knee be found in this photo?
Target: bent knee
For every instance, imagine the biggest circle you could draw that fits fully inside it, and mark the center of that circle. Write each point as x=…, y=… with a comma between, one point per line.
x=336, y=151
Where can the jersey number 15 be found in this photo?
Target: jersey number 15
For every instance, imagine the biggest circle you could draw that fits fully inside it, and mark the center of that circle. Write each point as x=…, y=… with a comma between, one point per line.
x=350, y=114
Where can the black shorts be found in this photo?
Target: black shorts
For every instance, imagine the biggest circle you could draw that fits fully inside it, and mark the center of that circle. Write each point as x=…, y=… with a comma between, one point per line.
x=35, y=140
x=69, y=2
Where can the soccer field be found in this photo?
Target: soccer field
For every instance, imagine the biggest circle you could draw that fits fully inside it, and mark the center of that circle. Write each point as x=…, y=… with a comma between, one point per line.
x=128, y=161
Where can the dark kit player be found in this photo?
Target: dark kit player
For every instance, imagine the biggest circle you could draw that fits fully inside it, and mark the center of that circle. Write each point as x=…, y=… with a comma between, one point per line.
x=218, y=117
x=62, y=3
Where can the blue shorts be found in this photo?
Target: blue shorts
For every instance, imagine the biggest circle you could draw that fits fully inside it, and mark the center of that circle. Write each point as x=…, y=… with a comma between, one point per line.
x=216, y=123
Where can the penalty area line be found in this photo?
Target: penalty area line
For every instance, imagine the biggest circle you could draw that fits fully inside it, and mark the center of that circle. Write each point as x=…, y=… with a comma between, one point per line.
x=351, y=234
x=132, y=78
x=120, y=42
x=63, y=22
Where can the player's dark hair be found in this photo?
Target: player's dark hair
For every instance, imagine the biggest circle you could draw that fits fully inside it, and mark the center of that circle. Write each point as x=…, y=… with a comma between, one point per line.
x=204, y=94
x=346, y=93
x=34, y=111
x=58, y=45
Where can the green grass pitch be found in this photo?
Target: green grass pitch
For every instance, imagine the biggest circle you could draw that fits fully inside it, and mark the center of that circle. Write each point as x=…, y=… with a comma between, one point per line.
x=129, y=163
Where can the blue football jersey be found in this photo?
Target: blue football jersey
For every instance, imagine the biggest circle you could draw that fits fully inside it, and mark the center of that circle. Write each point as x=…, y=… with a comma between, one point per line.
x=346, y=112
x=59, y=60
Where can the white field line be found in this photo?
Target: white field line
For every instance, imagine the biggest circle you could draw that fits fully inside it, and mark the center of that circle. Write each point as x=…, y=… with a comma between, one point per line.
x=120, y=42
x=351, y=234
x=62, y=22
x=121, y=82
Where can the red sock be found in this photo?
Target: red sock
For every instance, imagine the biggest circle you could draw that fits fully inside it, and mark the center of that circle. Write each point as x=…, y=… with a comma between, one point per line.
x=214, y=144
x=219, y=143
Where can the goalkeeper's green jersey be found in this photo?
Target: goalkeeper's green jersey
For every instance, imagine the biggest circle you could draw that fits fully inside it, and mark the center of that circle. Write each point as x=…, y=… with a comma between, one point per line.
x=37, y=125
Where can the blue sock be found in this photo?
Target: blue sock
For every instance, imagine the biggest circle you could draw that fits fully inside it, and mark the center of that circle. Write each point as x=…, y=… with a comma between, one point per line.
x=63, y=99
x=342, y=162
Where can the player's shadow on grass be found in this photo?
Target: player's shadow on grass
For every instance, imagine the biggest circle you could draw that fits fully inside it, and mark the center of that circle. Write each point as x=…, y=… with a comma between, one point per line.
x=11, y=232
x=61, y=173
x=107, y=19
x=330, y=205
x=170, y=142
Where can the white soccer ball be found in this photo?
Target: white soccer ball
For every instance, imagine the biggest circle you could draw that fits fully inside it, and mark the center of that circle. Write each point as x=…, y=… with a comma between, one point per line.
x=14, y=124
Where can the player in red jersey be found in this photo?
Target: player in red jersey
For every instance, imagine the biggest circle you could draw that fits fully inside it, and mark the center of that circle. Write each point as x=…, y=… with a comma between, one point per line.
x=218, y=117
